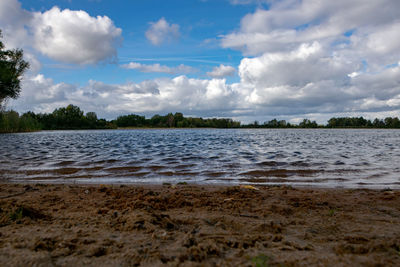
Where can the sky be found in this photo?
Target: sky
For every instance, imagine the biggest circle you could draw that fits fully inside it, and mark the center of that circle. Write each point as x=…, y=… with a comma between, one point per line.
x=243, y=59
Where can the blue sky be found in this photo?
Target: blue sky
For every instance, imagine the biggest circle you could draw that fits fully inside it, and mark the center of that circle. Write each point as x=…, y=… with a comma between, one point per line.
x=200, y=25
x=244, y=59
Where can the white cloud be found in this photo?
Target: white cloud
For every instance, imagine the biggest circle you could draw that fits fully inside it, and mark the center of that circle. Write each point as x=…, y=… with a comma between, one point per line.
x=42, y=94
x=12, y=21
x=64, y=35
x=161, y=31
x=310, y=80
x=75, y=36
x=222, y=71
x=158, y=68
x=194, y=96
x=287, y=23
x=307, y=64
x=319, y=57
x=366, y=94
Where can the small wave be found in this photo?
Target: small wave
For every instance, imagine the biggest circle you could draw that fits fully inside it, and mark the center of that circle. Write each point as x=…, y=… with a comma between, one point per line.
x=173, y=173
x=338, y=162
x=61, y=171
x=168, y=159
x=192, y=158
x=220, y=180
x=213, y=174
x=272, y=163
x=184, y=166
x=109, y=161
x=264, y=180
x=64, y=163
x=128, y=169
x=155, y=167
x=364, y=163
x=280, y=173
x=300, y=164
x=343, y=171
x=90, y=169
x=134, y=174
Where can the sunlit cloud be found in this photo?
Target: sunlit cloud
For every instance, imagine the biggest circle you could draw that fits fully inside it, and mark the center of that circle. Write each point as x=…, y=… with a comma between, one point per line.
x=222, y=71
x=64, y=35
x=161, y=31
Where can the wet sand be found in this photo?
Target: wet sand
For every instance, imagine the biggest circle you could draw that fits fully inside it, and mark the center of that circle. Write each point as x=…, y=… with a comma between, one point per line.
x=187, y=225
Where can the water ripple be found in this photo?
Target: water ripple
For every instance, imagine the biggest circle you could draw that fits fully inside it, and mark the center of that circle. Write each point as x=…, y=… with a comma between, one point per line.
x=322, y=157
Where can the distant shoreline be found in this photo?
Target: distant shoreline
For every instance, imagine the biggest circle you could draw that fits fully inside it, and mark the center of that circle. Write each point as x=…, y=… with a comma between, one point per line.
x=72, y=117
x=200, y=128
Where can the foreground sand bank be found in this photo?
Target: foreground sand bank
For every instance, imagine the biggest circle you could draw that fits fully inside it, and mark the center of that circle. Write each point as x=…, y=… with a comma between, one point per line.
x=56, y=225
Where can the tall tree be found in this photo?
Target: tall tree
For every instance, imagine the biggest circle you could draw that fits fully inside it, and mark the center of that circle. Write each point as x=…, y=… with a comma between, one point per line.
x=12, y=67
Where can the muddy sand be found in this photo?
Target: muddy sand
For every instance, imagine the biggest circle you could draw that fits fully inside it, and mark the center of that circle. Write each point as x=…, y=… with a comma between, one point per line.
x=187, y=225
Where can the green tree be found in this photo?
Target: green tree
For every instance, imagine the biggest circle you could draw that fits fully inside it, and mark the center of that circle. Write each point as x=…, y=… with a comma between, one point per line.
x=170, y=120
x=28, y=122
x=306, y=123
x=70, y=117
x=9, y=121
x=12, y=67
x=378, y=123
x=178, y=118
x=91, y=120
x=131, y=120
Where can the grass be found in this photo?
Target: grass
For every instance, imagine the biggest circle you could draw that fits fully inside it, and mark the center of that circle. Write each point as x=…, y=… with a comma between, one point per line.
x=22, y=212
x=18, y=214
x=331, y=212
x=260, y=260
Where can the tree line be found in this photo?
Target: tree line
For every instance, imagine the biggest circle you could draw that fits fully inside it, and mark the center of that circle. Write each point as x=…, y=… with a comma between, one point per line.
x=73, y=118
x=65, y=118
x=340, y=122
x=176, y=120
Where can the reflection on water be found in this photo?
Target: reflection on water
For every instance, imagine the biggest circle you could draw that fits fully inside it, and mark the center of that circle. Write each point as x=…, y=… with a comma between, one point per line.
x=322, y=157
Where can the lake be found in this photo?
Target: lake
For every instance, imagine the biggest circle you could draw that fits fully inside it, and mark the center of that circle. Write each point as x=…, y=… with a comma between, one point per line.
x=299, y=157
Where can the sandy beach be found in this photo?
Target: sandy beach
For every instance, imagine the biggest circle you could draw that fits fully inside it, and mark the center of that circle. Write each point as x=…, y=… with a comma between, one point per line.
x=194, y=225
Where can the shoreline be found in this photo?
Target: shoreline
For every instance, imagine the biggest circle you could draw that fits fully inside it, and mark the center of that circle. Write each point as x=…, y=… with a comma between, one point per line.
x=204, y=128
x=310, y=186
x=197, y=225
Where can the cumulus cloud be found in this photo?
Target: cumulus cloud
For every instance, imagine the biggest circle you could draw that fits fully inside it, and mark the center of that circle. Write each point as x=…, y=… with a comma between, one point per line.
x=252, y=97
x=64, y=35
x=286, y=24
x=193, y=96
x=75, y=36
x=319, y=57
x=12, y=21
x=41, y=94
x=161, y=31
x=310, y=80
x=222, y=71
x=307, y=64
x=158, y=68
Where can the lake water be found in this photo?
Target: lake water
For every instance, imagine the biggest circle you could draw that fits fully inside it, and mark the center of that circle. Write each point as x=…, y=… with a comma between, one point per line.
x=299, y=157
